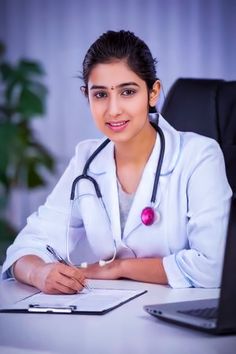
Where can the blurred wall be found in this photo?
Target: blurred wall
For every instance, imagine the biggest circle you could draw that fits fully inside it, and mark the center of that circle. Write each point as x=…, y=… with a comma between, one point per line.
x=190, y=38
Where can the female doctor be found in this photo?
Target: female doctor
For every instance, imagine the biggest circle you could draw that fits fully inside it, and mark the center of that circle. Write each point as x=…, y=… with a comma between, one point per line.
x=150, y=204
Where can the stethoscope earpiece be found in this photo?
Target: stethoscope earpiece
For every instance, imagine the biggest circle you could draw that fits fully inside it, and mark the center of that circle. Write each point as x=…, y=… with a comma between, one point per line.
x=83, y=265
x=102, y=263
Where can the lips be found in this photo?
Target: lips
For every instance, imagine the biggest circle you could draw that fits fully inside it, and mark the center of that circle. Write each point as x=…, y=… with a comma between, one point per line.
x=117, y=126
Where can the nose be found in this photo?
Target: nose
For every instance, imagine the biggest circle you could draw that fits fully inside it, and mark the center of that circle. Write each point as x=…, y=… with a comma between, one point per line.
x=114, y=107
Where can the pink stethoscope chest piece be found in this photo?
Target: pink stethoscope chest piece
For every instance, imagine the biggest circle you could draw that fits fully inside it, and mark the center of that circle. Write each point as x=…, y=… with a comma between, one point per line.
x=149, y=216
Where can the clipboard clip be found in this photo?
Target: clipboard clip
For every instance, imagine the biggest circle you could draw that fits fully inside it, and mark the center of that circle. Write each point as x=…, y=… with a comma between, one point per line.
x=36, y=308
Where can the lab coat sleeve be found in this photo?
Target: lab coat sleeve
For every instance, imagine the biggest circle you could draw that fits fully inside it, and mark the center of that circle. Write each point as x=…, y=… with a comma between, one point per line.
x=49, y=224
x=208, y=201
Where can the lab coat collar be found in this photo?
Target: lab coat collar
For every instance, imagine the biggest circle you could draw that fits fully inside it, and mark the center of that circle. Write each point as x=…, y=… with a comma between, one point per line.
x=104, y=162
x=172, y=146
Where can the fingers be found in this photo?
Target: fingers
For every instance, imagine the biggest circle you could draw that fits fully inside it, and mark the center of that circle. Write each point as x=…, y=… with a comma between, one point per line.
x=59, y=290
x=72, y=272
x=71, y=282
x=58, y=278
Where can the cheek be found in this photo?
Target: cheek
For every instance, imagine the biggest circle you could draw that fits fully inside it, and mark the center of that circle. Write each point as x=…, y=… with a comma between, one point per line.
x=97, y=115
x=140, y=106
x=96, y=110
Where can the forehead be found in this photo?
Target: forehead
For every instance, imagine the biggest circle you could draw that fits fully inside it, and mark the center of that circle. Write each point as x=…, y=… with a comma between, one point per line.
x=113, y=74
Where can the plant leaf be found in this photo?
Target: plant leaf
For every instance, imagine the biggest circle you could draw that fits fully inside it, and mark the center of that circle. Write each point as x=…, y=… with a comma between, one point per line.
x=2, y=48
x=30, y=104
x=6, y=71
x=27, y=68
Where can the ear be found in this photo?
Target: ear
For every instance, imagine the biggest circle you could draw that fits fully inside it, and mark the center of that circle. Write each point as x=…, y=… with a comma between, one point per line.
x=154, y=93
x=83, y=89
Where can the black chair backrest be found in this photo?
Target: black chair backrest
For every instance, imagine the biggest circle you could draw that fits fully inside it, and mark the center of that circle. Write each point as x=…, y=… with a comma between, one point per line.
x=207, y=107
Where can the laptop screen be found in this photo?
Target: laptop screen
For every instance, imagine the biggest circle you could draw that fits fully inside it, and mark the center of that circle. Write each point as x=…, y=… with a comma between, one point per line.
x=227, y=302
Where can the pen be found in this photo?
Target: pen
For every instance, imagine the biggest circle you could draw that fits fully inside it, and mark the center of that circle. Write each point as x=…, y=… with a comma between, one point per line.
x=59, y=258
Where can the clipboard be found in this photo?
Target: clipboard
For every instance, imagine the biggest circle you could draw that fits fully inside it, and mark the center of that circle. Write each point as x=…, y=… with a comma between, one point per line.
x=96, y=302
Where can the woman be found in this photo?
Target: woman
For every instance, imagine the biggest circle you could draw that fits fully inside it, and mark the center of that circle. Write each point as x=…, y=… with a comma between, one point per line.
x=180, y=241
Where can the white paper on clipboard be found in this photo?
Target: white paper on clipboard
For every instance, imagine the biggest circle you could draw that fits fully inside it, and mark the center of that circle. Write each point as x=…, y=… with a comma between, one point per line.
x=97, y=301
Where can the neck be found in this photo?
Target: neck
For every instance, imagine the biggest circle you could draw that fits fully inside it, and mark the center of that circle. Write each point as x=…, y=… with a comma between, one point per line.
x=137, y=150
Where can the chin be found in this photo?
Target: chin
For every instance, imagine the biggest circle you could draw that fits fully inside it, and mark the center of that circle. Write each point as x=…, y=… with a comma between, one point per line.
x=120, y=139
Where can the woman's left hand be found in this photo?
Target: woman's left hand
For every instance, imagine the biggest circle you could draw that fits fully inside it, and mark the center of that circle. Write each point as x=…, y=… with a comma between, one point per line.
x=149, y=270
x=108, y=271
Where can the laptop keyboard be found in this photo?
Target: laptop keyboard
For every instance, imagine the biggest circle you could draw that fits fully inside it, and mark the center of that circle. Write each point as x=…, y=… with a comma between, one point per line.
x=208, y=313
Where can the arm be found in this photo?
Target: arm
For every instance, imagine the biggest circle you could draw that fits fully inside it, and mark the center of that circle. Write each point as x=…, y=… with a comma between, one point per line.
x=46, y=226
x=141, y=269
x=149, y=270
x=208, y=195
x=49, y=224
x=51, y=278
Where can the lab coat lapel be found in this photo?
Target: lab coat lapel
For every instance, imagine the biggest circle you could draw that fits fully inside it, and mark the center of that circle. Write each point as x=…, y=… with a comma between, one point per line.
x=143, y=194
x=104, y=169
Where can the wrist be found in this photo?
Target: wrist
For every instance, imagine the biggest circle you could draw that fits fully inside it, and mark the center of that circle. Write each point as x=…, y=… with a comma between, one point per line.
x=27, y=269
x=35, y=270
x=33, y=275
x=116, y=268
x=36, y=273
x=121, y=268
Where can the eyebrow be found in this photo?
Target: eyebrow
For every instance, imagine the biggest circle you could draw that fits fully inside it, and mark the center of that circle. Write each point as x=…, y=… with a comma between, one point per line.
x=96, y=87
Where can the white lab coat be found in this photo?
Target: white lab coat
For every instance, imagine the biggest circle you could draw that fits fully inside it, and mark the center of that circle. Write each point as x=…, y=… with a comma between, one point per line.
x=193, y=200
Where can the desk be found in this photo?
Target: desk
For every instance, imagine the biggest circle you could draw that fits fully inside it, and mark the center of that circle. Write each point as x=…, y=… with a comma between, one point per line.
x=125, y=330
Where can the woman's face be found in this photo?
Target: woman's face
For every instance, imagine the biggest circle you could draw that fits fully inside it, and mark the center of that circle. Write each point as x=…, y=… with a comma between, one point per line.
x=119, y=101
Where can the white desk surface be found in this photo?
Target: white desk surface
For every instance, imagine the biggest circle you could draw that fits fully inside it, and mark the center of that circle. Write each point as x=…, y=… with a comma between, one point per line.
x=125, y=330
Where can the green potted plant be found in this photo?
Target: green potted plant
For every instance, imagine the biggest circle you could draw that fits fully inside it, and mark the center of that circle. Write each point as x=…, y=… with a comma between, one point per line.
x=23, y=159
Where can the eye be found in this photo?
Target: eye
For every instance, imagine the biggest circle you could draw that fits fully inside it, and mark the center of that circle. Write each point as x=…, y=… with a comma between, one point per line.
x=128, y=92
x=100, y=94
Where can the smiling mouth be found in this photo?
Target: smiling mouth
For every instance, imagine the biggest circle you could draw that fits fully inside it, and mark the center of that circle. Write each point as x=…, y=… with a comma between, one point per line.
x=117, y=127
x=117, y=124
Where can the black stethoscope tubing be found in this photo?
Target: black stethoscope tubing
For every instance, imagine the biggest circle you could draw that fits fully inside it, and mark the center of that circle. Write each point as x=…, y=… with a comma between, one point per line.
x=159, y=164
x=85, y=175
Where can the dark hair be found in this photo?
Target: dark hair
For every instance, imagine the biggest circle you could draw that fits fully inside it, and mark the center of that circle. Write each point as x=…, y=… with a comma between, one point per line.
x=120, y=45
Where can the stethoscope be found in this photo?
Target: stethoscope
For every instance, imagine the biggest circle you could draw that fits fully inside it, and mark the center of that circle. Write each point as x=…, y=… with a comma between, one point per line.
x=148, y=215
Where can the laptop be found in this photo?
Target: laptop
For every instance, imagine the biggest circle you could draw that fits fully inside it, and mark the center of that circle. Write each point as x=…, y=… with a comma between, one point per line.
x=217, y=316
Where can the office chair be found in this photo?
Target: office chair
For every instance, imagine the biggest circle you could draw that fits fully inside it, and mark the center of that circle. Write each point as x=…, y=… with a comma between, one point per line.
x=207, y=107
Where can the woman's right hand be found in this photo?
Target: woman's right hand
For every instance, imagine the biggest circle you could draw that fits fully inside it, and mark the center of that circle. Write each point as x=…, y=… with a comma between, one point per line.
x=50, y=278
x=58, y=278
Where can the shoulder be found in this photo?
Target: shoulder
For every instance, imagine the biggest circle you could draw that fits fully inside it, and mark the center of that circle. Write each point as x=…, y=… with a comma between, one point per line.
x=187, y=149
x=203, y=154
x=202, y=161
x=199, y=144
x=189, y=140
x=85, y=148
